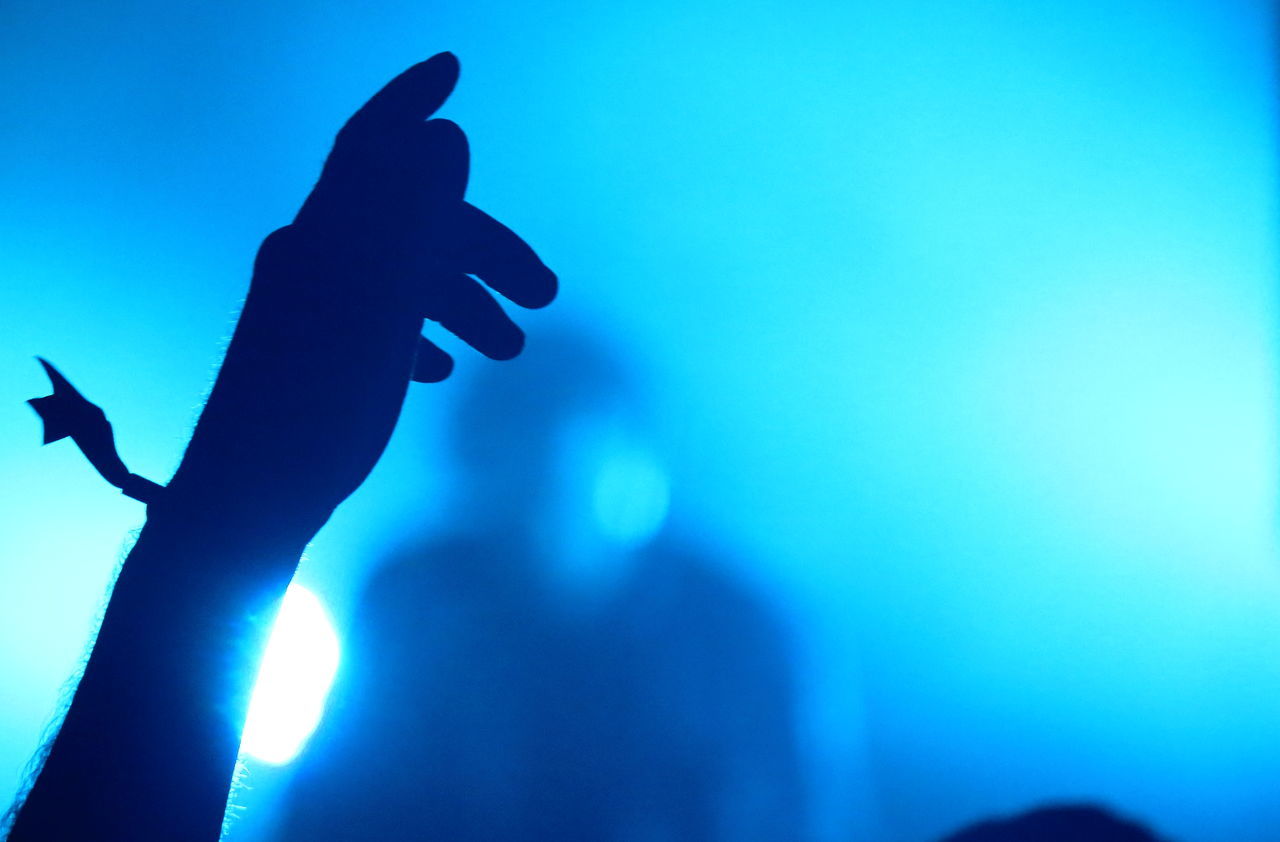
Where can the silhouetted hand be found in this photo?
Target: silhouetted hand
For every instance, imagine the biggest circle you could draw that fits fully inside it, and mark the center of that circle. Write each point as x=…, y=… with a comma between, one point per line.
x=392, y=189
x=316, y=372
x=303, y=406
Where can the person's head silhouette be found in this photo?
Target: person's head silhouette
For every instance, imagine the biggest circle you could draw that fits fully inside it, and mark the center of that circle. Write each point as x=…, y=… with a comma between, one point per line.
x=555, y=452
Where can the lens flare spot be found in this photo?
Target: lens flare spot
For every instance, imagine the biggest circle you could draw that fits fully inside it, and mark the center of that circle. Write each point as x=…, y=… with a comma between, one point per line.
x=297, y=671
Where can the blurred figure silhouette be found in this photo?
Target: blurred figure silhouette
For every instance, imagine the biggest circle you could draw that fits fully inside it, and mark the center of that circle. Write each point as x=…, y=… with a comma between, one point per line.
x=1061, y=823
x=560, y=667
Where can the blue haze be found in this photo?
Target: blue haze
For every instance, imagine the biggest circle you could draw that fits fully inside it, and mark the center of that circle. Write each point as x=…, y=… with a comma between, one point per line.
x=960, y=319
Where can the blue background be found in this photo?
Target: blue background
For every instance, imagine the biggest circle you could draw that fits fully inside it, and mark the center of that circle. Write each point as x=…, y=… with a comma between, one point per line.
x=960, y=317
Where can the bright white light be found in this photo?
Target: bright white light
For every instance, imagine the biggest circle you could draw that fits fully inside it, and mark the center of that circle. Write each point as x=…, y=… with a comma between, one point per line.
x=297, y=671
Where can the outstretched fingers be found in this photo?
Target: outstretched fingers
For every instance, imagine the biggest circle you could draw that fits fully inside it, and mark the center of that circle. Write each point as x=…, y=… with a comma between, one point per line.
x=466, y=310
x=394, y=172
x=484, y=247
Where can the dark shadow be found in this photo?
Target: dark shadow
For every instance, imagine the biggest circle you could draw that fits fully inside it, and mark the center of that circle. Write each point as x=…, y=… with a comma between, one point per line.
x=1058, y=823
x=560, y=666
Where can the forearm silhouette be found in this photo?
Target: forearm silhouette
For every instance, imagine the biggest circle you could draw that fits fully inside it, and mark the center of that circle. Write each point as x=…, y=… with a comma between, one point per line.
x=303, y=406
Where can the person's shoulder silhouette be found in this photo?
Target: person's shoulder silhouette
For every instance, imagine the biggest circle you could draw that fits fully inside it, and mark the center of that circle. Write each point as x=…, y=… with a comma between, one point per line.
x=558, y=665
x=1057, y=823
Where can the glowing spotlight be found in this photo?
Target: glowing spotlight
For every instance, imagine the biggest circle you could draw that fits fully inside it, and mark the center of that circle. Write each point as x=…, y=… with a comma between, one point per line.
x=297, y=671
x=631, y=496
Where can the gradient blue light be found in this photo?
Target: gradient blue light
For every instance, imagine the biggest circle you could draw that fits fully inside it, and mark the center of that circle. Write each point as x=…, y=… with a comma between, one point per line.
x=960, y=317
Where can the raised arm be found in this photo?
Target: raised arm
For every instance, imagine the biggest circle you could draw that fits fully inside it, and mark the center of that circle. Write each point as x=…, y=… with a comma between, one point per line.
x=303, y=406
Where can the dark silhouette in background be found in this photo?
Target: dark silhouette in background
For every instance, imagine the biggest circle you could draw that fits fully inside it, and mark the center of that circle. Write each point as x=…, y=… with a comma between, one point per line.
x=302, y=408
x=557, y=667
x=1059, y=823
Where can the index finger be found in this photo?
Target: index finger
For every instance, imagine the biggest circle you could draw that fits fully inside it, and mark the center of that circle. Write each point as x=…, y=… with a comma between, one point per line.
x=414, y=95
